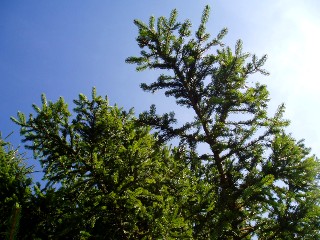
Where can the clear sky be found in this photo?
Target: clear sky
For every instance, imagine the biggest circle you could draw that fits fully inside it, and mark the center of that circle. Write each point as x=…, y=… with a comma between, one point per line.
x=63, y=48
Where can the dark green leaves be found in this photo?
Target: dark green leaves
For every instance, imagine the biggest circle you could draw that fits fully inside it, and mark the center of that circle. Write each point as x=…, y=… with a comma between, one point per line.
x=14, y=189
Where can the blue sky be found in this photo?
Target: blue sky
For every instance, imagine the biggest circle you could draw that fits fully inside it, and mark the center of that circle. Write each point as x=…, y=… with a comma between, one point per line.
x=63, y=48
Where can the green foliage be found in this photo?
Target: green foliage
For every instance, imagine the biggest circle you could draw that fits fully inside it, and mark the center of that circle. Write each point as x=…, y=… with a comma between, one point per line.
x=14, y=189
x=107, y=177
x=257, y=180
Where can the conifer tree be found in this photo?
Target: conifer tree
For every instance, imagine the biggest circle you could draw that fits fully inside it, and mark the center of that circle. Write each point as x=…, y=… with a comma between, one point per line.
x=107, y=177
x=255, y=179
x=14, y=189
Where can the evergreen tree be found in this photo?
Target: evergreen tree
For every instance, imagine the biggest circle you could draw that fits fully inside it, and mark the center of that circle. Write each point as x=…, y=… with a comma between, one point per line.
x=255, y=179
x=14, y=189
x=107, y=177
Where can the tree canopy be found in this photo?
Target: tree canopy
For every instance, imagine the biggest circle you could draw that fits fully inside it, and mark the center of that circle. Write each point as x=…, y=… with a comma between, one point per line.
x=109, y=174
x=15, y=188
x=262, y=182
x=106, y=176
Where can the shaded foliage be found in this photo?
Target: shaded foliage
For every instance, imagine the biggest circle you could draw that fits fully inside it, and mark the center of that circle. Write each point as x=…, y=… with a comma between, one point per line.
x=14, y=189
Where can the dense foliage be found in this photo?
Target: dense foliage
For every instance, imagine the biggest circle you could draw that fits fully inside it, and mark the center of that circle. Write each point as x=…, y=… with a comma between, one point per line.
x=111, y=175
x=107, y=178
x=261, y=181
x=14, y=189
